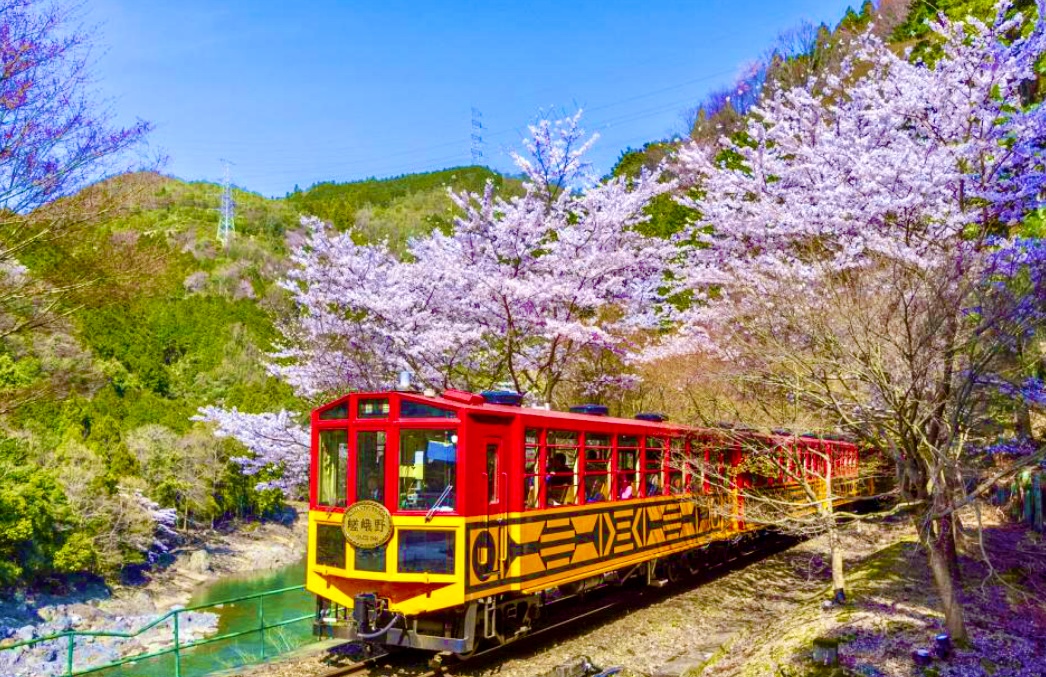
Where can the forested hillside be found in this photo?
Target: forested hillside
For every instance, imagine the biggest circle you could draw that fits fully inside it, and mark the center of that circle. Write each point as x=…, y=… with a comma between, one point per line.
x=153, y=319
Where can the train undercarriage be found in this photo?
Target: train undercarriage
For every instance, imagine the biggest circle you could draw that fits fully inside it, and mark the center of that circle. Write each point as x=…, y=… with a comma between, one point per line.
x=495, y=620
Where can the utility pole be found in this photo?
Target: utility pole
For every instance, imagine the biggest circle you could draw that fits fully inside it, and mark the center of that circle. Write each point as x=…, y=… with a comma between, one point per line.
x=477, y=136
x=227, y=220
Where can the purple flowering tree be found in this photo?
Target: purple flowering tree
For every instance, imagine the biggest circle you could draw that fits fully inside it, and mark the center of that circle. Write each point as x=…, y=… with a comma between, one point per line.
x=520, y=290
x=54, y=139
x=524, y=289
x=276, y=441
x=844, y=242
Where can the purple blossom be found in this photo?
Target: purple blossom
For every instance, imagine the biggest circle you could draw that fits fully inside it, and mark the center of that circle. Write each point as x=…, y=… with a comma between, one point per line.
x=276, y=444
x=53, y=136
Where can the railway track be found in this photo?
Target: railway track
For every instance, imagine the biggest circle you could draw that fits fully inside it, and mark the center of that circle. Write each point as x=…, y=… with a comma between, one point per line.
x=601, y=605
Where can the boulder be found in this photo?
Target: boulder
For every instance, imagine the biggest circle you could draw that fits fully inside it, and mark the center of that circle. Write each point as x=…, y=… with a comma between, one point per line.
x=200, y=561
x=25, y=633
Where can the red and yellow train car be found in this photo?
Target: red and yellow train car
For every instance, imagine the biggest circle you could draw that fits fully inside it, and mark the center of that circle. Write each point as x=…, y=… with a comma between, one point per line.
x=440, y=522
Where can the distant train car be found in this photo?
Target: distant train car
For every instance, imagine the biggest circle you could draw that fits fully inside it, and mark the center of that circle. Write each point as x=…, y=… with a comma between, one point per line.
x=442, y=522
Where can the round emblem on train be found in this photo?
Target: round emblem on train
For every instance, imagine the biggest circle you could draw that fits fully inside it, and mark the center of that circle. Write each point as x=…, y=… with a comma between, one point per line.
x=367, y=524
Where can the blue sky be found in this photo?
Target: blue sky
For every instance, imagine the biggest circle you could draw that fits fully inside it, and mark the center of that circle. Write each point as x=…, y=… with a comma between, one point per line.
x=301, y=92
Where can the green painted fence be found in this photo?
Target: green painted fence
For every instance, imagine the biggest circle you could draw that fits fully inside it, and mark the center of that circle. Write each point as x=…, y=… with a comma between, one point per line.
x=179, y=648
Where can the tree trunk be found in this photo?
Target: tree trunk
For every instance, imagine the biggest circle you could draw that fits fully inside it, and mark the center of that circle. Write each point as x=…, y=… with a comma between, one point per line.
x=838, y=571
x=947, y=587
x=946, y=535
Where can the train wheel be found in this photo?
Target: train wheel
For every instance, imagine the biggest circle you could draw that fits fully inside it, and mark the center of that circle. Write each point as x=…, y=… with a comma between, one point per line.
x=468, y=654
x=676, y=569
x=692, y=559
x=513, y=622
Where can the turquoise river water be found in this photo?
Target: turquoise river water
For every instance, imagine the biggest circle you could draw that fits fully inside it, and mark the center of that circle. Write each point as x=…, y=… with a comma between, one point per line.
x=235, y=617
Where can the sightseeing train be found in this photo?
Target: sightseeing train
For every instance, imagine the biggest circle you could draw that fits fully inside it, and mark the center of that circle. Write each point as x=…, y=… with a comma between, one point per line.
x=443, y=522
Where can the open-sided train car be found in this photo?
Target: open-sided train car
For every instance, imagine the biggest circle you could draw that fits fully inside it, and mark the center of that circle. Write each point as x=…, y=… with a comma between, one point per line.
x=440, y=522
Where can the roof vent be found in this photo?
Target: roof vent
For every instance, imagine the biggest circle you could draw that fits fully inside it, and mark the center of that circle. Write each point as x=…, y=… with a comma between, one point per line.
x=508, y=398
x=462, y=396
x=652, y=416
x=590, y=409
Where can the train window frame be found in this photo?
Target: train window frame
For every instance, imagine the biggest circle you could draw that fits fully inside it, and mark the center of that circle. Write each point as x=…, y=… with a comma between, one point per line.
x=361, y=489
x=331, y=550
x=554, y=445
x=383, y=412
x=596, y=472
x=675, y=465
x=339, y=472
x=647, y=471
x=450, y=504
x=492, y=465
x=336, y=411
x=412, y=410
x=533, y=480
x=631, y=474
x=418, y=551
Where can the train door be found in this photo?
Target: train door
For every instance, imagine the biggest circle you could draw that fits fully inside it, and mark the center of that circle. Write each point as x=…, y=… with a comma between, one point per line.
x=489, y=539
x=497, y=498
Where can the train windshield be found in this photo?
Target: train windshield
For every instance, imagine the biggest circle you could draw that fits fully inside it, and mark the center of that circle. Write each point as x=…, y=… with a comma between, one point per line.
x=428, y=469
x=334, y=458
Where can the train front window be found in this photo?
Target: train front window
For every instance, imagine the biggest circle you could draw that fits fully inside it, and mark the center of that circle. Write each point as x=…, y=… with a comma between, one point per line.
x=332, y=477
x=370, y=465
x=410, y=409
x=428, y=469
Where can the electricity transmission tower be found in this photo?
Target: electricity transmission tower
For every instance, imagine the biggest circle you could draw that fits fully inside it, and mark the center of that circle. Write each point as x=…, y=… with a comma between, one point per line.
x=227, y=220
x=477, y=136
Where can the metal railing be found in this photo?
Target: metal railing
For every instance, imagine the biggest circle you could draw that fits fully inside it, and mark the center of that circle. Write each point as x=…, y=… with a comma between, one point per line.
x=178, y=646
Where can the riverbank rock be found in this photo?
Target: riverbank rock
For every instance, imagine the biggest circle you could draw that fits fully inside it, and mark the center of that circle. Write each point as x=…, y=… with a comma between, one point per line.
x=92, y=606
x=41, y=659
x=200, y=562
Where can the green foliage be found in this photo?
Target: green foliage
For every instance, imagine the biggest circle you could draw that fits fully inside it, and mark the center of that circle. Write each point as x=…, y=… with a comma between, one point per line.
x=855, y=22
x=395, y=208
x=916, y=32
x=33, y=514
x=667, y=216
x=76, y=554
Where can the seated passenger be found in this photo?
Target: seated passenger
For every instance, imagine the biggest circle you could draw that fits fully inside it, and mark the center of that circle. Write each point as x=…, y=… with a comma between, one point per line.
x=626, y=490
x=373, y=489
x=595, y=489
x=653, y=485
x=531, y=492
x=559, y=482
x=676, y=486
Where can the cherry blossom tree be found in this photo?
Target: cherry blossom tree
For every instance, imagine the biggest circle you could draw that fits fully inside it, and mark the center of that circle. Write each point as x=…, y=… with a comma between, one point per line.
x=276, y=441
x=519, y=290
x=524, y=289
x=845, y=238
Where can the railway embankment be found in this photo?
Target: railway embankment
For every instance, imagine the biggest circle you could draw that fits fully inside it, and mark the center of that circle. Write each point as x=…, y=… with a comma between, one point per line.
x=894, y=611
x=94, y=606
x=763, y=620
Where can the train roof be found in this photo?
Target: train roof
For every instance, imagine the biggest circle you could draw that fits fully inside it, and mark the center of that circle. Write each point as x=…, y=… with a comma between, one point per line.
x=464, y=401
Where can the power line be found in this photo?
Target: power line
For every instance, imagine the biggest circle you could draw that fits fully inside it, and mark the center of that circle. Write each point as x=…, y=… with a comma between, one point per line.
x=380, y=165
